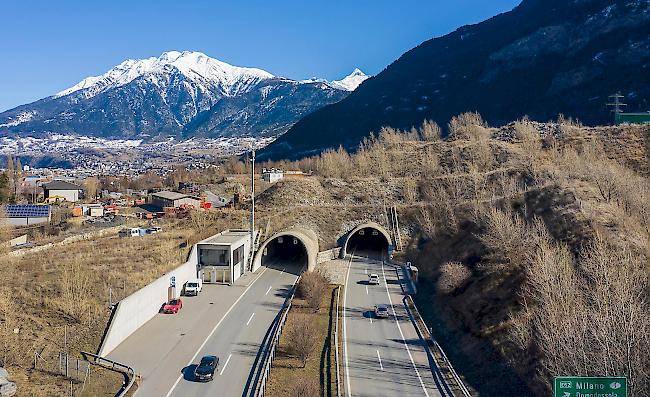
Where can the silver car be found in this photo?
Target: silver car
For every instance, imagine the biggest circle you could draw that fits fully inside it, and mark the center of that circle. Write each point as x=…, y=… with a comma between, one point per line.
x=381, y=311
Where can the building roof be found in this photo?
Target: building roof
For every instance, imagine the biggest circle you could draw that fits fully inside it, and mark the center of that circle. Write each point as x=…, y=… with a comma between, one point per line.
x=61, y=185
x=166, y=194
x=228, y=237
x=27, y=211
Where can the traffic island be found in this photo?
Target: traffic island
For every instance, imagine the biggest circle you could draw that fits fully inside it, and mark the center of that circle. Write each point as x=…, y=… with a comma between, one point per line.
x=305, y=359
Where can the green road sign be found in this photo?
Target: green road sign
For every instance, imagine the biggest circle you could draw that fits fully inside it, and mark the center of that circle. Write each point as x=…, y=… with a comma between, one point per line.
x=585, y=386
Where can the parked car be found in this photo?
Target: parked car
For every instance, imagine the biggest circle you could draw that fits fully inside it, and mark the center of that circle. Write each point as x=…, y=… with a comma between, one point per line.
x=153, y=230
x=373, y=279
x=381, y=311
x=204, y=372
x=173, y=306
x=193, y=287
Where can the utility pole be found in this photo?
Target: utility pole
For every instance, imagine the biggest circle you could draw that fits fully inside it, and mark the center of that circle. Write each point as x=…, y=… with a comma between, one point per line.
x=253, y=194
x=616, y=104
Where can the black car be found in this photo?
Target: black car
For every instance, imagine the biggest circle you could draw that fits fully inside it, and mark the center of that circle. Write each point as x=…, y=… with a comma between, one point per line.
x=204, y=372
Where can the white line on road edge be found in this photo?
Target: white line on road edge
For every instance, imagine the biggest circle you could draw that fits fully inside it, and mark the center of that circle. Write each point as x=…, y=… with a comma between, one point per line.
x=426, y=393
x=345, y=332
x=268, y=290
x=379, y=357
x=249, y=320
x=226, y=364
x=169, y=393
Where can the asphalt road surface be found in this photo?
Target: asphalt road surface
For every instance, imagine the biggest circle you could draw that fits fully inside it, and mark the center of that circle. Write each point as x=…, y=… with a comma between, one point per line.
x=382, y=357
x=227, y=321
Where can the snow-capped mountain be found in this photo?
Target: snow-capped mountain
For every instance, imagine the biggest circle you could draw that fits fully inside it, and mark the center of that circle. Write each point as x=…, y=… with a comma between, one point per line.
x=195, y=66
x=348, y=83
x=351, y=81
x=178, y=94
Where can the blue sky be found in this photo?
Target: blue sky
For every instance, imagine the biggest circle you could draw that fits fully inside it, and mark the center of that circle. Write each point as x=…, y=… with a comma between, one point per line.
x=47, y=46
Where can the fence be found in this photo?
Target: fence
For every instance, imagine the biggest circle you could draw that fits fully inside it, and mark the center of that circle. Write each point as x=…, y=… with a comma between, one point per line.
x=450, y=376
x=274, y=341
x=63, y=364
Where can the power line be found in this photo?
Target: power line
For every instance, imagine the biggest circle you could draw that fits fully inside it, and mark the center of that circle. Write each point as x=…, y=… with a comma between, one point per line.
x=617, y=105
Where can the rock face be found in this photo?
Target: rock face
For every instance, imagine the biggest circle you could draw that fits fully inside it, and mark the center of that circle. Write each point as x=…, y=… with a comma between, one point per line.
x=180, y=94
x=7, y=389
x=542, y=59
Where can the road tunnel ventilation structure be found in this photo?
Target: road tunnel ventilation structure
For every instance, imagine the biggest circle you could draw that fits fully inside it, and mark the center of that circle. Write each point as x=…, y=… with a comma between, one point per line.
x=369, y=238
x=293, y=250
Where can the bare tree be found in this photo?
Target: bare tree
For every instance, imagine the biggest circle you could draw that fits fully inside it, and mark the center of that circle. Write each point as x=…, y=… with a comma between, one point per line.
x=430, y=131
x=91, y=183
x=312, y=288
x=302, y=336
x=468, y=126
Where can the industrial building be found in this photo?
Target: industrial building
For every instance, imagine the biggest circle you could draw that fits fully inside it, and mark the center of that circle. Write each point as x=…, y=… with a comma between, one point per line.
x=61, y=191
x=633, y=118
x=223, y=258
x=27, y=214
x=173, y=199
x=272, y=175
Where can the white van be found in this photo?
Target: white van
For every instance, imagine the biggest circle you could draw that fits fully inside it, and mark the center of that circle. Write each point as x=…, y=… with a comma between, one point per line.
x=193, y=287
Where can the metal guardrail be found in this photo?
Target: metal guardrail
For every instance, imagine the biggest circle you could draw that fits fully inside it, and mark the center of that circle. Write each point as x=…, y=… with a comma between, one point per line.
x=128, y=372
x=438, y=355
x=269, y=352
x=336, y=343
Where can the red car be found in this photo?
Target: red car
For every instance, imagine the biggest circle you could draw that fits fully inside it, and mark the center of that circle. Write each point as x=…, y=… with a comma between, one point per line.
x=173, y=306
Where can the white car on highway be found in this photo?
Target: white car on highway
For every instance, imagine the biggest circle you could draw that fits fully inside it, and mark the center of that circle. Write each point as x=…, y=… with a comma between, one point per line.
x=381, y=311
x=193, y=287
x=373, y=279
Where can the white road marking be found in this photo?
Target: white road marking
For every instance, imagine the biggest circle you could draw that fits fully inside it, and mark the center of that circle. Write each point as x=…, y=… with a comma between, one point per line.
x=268, y=290
x=366, y=290
x=225, y=365
x=345, y=334
x=169, y=393
x=370, y=318
x=379, y=357
x=249, y=320
x=366, y=271
x=426, y=393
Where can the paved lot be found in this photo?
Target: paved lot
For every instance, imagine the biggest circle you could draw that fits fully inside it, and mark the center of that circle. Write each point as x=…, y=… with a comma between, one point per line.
x=228, y=321
x=382, y=357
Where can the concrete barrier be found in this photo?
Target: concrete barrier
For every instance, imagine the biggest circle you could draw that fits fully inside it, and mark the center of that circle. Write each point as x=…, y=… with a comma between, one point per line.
x=136, y=309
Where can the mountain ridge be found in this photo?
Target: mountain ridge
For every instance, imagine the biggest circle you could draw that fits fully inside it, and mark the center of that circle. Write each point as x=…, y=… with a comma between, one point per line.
x=171, y=95
x=542, y=59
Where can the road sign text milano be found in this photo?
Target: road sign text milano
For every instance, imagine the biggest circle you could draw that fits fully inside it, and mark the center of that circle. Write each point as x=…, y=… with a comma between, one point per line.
x=583, y=386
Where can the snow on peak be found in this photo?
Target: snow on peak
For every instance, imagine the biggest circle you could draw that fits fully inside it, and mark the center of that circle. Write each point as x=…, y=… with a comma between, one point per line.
x=351, y=81
x=196, y=66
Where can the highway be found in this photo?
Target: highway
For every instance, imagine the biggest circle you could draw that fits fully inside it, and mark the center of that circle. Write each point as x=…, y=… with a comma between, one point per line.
x=227, y=321
x=382, y=357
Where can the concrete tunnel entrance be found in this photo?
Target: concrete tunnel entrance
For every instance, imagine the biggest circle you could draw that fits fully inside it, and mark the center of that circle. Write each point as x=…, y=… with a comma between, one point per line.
x=368, y=239
x=285, y=252
x=294, y=250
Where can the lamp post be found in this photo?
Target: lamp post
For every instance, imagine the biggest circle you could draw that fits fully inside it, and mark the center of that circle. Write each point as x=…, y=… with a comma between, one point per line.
x=253, y=194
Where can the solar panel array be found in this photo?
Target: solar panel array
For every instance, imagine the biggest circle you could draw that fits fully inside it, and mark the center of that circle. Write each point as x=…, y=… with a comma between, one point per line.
x=27, y=211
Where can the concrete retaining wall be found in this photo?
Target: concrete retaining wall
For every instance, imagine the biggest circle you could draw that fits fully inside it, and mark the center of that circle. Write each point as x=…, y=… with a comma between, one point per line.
x=68, y=240
x=328, y=255
x=136, y=309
